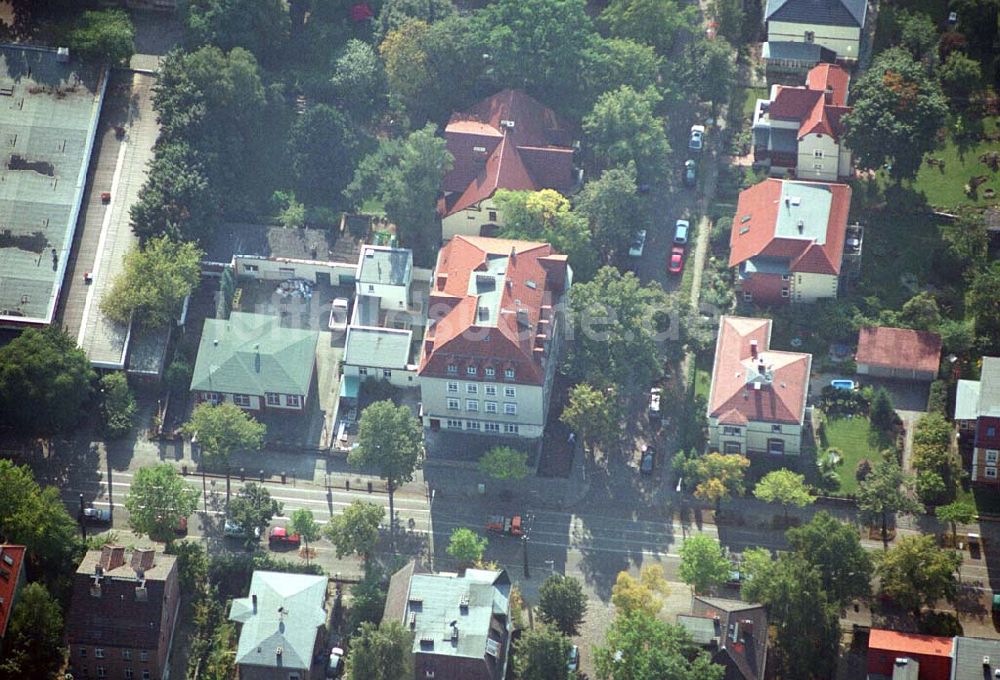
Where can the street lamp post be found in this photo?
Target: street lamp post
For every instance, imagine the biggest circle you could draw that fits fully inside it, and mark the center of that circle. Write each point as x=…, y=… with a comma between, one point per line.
x=524, y=541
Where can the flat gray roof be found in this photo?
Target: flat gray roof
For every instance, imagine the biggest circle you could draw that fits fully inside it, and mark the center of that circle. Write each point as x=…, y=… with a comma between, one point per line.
x=377, y=347
x=807, y=204
x=48, y=118
x=386, y=266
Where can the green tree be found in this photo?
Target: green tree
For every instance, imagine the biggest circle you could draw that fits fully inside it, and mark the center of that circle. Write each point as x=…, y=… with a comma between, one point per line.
x=305, y=525
x=916, y=572
x=153, y=283
x=33, y=643
x=396, y=13
x=592, y=413
x=730, y=17
x=355, y=530
x=984, y=304
x=323, y=147
x=504, y=463
x=466, y=546
x=939, y=470
x=718, y=476
x=157, y=500
x=367, y=599
x=117, y=405
x=921, y=312
x=882, y=415
x=389, y=442
x=639, y=646
x=784, y=487
x=967, y=239
x=807, y=628
x=45, y=380
x=546, y=216
x=955, y=513
x=623, y=128
x=703, y=564
x=643, y=594
x=561, y=602
x=105, y=36
x=960, y=76
x=897, y=112
x=381, y=653
x=931, y=487
x=253, y=509
x=405, y=176
x=293, y=216
x=610, y=63
x=221, y=429
x=609, y=204
x=977, y=19
x=260, y=26
x=540, y=654
x=708, y=71
x=616, y=324
x=886, y=490
x=914, y=31
x=833, y=548
x=358, y=81
x=177, y=199
x=654, y=22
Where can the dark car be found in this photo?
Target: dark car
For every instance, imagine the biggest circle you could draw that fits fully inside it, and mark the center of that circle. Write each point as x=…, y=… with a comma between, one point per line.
x=94, y=515
x=690, y=173
x=648, y=461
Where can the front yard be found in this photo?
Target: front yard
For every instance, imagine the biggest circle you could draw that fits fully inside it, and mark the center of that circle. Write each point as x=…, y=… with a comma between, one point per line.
x=853, y=437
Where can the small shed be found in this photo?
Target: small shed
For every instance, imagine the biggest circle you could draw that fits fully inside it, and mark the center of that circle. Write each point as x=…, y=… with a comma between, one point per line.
x=902, y=353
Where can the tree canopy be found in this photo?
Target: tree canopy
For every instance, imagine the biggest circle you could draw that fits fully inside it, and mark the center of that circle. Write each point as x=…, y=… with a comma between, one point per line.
x=381, y=653
x=466, y=546
x=355, y=530
x=915, y=572
x=260, y=26
x=157, y=500
x=324, y=147
x=118, y=405
x=305, y=525
x=105, y=36
x=504, y=463
x=222, y=429
x=645, y=594
x=153, y=283
x=884, y=492
x=623, y=128
x=33, y=643
x=562, y=603
x=654, y=22
x=717, y=476
x=703, y=563
x=45, y=381
x=593, y=413
x=253, y=509
x=541, y=654
x=639, y=646
x=609, y=204
x=359, y=82
x=784, y=487
x=834, y=549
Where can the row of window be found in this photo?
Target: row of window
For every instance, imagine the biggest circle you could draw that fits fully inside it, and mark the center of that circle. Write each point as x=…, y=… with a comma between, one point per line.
x=734, y=431
x=245, y=401
x=991, y=456
x=489, y=371
x=386, y=373
x=126, y=654
x=102, y=672
x=484, y=426
x=774, y=446
x=509, y=408
x=490, y=390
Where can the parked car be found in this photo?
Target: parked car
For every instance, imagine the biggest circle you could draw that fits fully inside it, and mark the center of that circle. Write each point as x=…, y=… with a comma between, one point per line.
x=505, y=524
x=181, y=528
x=676, y=260
x=234, y=530
x=280, y=536
x=655, y=394
x=690, y=173
x=94, y=515
x=697, y=140
x=842, y=384
x=638, y=244
x=648, y=461
x=573, y=660
x=681, y=231
x=338, y=314
x=335, y=663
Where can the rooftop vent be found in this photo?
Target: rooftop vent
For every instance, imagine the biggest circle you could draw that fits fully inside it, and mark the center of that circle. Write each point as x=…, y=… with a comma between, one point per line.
x=794, y=200
x=484, y=313
x=744, y=230
x=507, y=124
x=801, y=225
x=369, y=252
x=744, y=219
x=986, y=661
x=463, y=602
x=279, y=650
x=479, y=149
x=531, y=284
x=8, y=559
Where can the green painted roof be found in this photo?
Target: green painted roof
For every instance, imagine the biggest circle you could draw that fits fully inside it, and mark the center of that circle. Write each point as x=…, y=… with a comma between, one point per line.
x=388, y=266
x=290, y=610
x=377, y=347
x=253, y=354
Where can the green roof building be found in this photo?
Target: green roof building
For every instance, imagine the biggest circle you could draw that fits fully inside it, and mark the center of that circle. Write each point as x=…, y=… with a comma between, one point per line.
x=252, y=361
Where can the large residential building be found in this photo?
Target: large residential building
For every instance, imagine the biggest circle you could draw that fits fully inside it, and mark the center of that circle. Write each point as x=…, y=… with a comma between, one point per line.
x=507, y=141
x=282, y=624
x=977, y=414
x=788, y=241
x=121, y=617
x=757, y=401
x=902, y=353
x=255, y=363
x=11, y=580
x=907, y=656
x=798, y=129
x=461, y=623
x=490, y=350
x=837, y=25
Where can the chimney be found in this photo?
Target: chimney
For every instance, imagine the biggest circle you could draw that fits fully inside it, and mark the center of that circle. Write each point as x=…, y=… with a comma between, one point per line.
x=538, y=353
x=253, y=598
x=753, y=348
x=442, y=279
x=801, y=225
x=513, y=254
x=112, y=557
x=761, y=369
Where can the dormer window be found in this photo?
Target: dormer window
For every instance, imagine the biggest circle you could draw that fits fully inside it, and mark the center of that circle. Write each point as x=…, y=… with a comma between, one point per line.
x=471, y=370
x=452, y=368
x=508, y=373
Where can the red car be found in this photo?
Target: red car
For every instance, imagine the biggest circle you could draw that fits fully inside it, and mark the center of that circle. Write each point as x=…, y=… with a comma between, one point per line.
x=280, y=535
x=676, y=263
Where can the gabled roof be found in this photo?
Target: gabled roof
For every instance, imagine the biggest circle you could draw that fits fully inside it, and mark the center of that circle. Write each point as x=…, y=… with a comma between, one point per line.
x=968, y=656
x=742, y=635
x=894, y=641
x=804, y=223
x=507, y=141
x=818, y=12
x=280, y=627
x=11, y=567
x=819, y=106
x=899, y=348
x=253, y=354
x=831, y=78
x=753, y=383
x=492, y=299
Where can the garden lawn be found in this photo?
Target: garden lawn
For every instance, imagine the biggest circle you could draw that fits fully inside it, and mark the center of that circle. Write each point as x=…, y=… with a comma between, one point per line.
x=751, y=95
x=851, y=436
x=945, y=188
x=897, y=255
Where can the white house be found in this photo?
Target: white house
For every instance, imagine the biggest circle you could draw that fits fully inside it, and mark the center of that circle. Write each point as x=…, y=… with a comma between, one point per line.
x=834, y=24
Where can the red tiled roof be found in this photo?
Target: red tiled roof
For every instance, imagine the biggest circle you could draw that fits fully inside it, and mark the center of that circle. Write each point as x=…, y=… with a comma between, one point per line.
x=793, y=103
x=892, y=641
x=899, y=348
x=534, y=275
x=830, y=77
x=11, y=562
x=534, y=154
x=755, y=236
x=733, y=399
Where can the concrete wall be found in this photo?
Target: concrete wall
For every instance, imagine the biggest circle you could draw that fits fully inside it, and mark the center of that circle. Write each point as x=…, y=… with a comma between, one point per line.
x=824, y=168
x=279, y=269
x=468, y=222
x=890, y=372
x=843, y=40
x=398, y=377
x=811, y=287
x=530, y=401
x=390, y=297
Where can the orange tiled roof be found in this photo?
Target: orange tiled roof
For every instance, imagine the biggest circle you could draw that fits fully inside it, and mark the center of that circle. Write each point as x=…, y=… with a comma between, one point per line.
x=783, y=376
x=11, y=561
x=819, y=106
x=899, y=348
x=831, y=78
x=893, y=641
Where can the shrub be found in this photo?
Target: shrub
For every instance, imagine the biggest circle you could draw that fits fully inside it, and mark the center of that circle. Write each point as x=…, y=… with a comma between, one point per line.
x=117, y=405
x=863, y=469
x=937, y=400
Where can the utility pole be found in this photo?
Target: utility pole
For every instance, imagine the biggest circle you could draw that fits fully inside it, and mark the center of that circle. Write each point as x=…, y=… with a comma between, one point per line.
x=524, y=542
x=83, y=520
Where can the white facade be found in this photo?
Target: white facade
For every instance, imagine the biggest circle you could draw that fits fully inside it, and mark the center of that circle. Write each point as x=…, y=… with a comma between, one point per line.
x=282, y=268
x=490, y=408
x=807, y=287
x=755, y=437
x=844, y=40
x=818, y=158
x=397, y=377
x=469, y=222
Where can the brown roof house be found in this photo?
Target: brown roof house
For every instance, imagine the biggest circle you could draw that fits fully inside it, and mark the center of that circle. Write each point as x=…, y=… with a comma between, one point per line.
x=507, y=141
x=898, y=353
x=120, y=623
x=11, y=580
x=460, y=623
x=733, y=631
x=757, y=400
